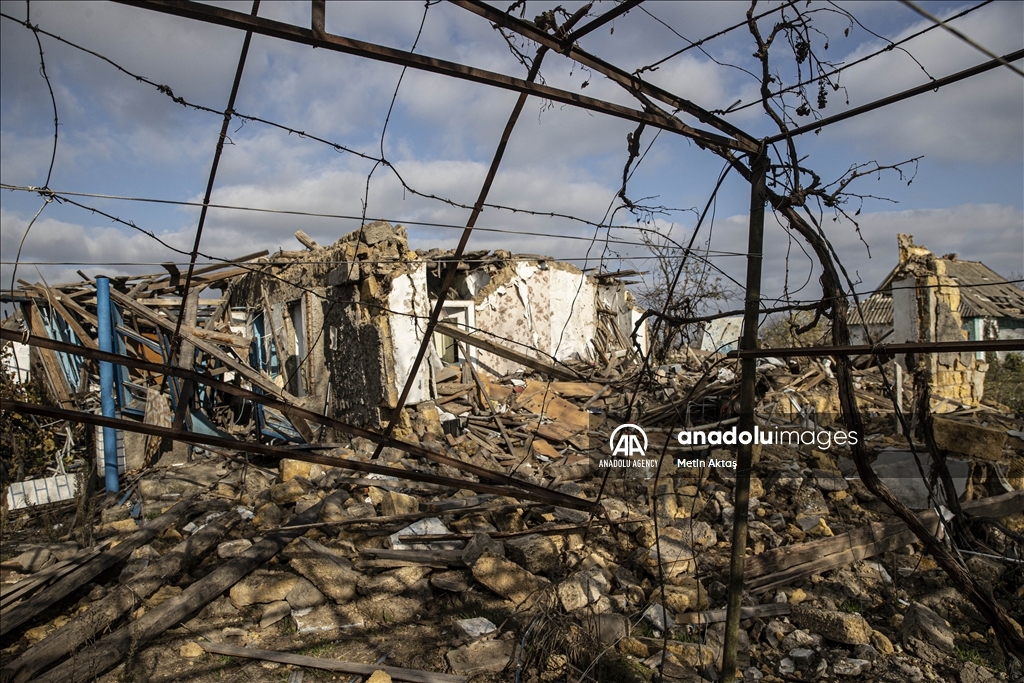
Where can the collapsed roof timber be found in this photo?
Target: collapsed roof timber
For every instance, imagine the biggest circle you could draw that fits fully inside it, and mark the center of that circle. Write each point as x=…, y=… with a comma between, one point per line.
x=333, y=329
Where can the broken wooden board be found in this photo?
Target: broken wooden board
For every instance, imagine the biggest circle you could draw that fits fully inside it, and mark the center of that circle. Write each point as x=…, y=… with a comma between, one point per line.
x=94, y=660
x=568, y=419
x=22, y=612
x=784, y=565
x=542, y=447
x=545, y=366
x=579, y=389
x=396, y=673
x=101, y=614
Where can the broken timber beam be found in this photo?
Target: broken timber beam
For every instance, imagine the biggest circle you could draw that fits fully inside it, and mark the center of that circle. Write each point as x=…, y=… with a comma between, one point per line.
x=785, y=565
x=511, y=486
x=98, y=658
x=51, y=365
x=258, y=380
x=396, y=673
x=508, y=486
x=547, y=367
x=126, y=597
x=22, y=612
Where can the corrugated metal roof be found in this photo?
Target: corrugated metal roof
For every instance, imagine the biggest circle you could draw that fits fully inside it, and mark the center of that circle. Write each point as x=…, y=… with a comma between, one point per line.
x=997, y=299
x=876, y=309
x=983, y=294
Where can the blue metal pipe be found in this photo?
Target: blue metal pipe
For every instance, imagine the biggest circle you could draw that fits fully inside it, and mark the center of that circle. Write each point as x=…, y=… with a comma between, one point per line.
x=106, y=341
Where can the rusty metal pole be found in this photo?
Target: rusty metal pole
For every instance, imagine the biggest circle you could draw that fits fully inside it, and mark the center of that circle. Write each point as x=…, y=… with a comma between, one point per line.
x=748, y=378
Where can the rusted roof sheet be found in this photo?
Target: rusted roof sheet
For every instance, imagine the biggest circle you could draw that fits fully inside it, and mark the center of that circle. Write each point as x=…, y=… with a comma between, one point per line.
x=983, y=294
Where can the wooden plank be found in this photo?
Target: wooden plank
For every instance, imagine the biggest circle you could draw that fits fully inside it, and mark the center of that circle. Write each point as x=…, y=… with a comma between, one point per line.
x=787, y=564
x=22, y=612
x=17, y=591
x=396, y=673
x=94, y=660
x=84, y=337
x=258, y=380
x=51, y=365
x=559, y=371
x=579, y=389
x=451, y=558
x=101, y=614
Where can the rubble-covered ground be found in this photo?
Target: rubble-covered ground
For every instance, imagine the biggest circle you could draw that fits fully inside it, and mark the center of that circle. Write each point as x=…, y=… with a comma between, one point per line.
x=504, y=589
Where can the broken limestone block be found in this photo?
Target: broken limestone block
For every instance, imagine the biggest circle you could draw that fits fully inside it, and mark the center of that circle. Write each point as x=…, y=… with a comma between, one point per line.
x=697, y=655
x=922, y=624
x=332, y=579
x=268, y=516
x=582, y=589
x=452, y=581
x=275, y=612
x=327, y=618
x=394, y=503
x=392, y=582
x=164, y=594
x=830, y=480
x=607, y=628
x=378, y=231
x=31, y=561
x=688, y=595
x=975, y=673
x=536, y=553
x=346, y=272
x=289, y=469
x=379, y=676
x=507, y=579
x=261, y=587
x=488, y=656
x=675, y=556
x=287, y=492
x=882, y=643
x=658, y=617
x=841, y=627
x=191, y=650
x=304, y=595
x=474, y=628
x=480, y=544
x=850, y=667
x=971, y=440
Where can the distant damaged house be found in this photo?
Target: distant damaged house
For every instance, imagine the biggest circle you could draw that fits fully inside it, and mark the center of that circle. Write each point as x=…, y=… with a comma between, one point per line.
x=928, y=298
x=989, y=306
x=340, y=326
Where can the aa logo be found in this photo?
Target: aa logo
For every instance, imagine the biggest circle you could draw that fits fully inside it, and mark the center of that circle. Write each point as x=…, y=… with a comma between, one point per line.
x=627, y=441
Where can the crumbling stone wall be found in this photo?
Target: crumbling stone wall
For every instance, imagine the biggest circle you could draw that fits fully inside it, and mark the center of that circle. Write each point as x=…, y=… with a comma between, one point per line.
x=366, y=298
x=925, y=308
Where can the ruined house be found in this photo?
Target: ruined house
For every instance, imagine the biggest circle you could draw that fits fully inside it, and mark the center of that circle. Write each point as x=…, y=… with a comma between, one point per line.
x=340, y=326
x=928, y=298
x=989, y=308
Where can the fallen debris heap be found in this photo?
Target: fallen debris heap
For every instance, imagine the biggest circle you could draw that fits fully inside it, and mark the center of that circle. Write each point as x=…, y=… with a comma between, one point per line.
x=254, y=532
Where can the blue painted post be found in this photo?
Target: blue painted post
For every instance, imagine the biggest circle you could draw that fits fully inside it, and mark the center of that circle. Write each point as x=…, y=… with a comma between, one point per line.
x=106, y=340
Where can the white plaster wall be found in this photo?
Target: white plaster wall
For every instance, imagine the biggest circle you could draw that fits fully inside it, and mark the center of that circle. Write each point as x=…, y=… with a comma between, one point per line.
x=904, y=314
x=409, y=295
x=571, y=299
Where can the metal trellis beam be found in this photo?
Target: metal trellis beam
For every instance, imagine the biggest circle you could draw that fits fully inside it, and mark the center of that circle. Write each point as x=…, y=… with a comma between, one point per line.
x=326, y=41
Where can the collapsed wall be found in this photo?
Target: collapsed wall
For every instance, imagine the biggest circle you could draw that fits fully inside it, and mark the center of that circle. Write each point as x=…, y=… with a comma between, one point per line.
x=926, y=301
x=361, y=305
x=540, y=306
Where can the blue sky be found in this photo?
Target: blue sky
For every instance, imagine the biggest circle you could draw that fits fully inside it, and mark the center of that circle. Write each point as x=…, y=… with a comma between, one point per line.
x=121, y=137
